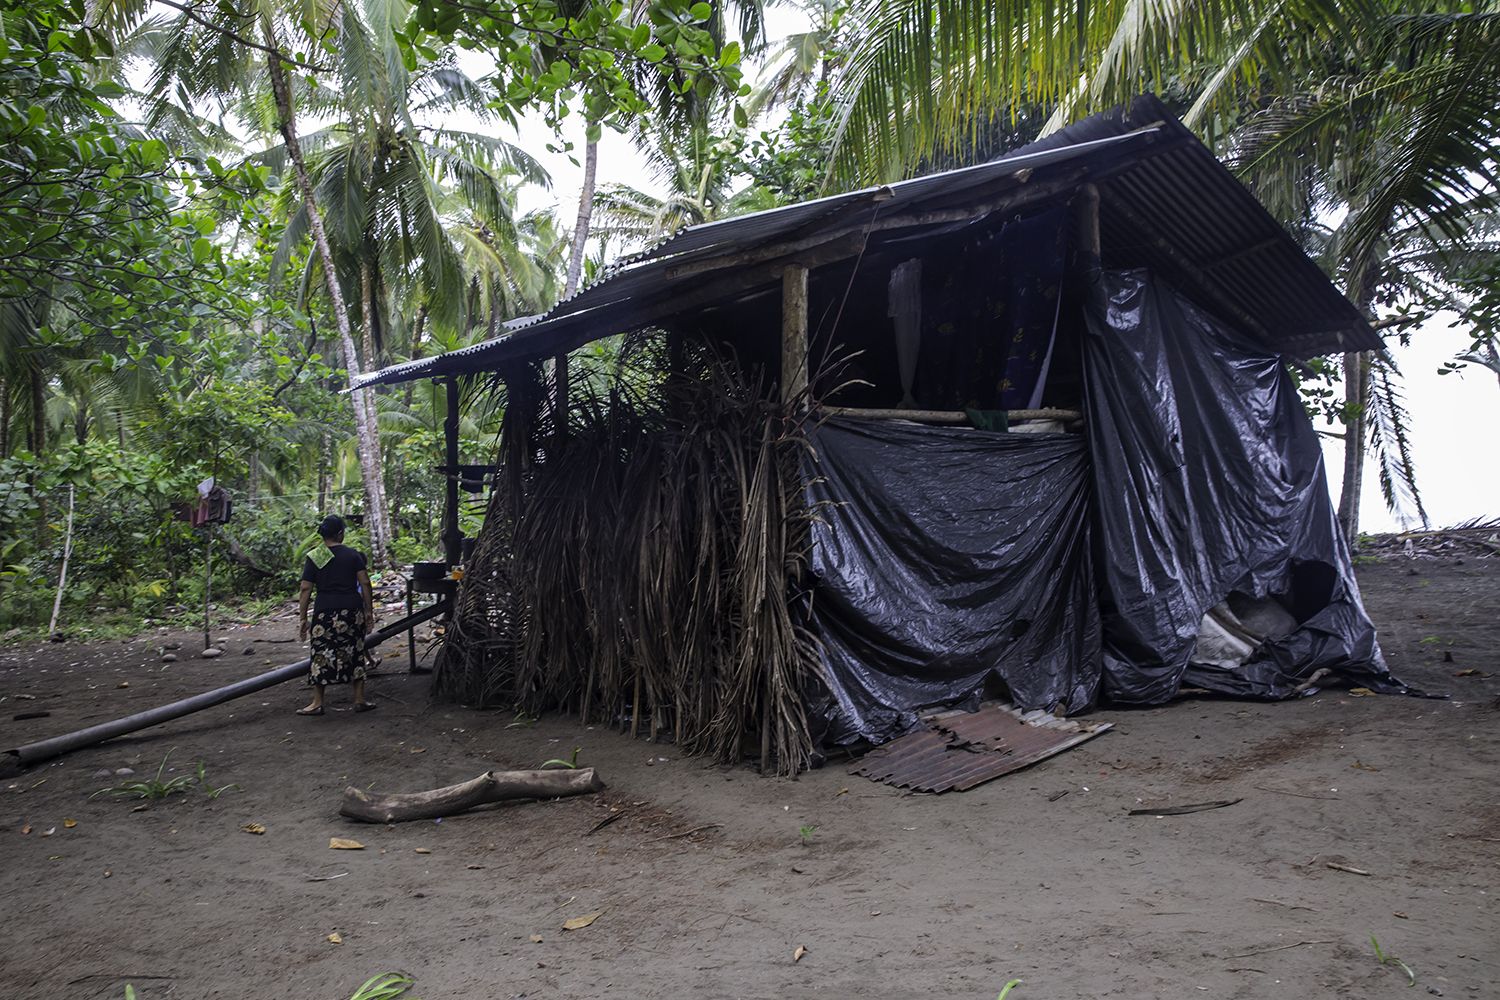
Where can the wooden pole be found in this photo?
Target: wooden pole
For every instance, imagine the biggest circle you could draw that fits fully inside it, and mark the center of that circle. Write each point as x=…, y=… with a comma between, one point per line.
x=1088, y=223
x=793, y=332
x=956, y=417
x=208, y=580
x=62, y=576
x=452, y=537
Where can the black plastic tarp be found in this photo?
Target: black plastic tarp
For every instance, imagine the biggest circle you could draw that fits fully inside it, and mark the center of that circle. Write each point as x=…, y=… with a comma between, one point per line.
x=1209, y=480
x=944, y=557
x=1070, y=566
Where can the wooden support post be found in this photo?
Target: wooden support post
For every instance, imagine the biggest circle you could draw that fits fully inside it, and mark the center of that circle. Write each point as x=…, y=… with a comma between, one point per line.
x=1088, y=224
x=793, y=332
x=208, y=582
x=452, y=536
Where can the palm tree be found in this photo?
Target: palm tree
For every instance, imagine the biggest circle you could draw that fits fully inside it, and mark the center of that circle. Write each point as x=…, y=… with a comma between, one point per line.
x=698, y=174
x=366, y=188
x=795, y=66
x=219, y=53
x=388, y=168
x=1401, y=141
x=922, y=76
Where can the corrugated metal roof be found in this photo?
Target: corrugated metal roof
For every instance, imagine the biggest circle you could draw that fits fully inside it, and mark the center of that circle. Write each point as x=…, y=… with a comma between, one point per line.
x=1165, y=203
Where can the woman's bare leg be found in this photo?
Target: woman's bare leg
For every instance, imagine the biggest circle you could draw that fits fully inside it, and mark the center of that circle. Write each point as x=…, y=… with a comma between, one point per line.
x=316, y=705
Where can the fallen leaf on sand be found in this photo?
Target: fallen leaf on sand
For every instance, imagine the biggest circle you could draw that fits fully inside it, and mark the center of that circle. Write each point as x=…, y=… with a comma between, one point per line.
x=474, y=868
x=418, y=750
x=25, y=829
x=49, y=831
x=68, y=824
x=335, y=938
x=578, y=923
x=140, y=809
x=255, y=828
x=797, y=955
x=422, y=850
x=1469, y=672
x=1361, y=692
x=123, y=684
x=343, y=844
x=536, y=939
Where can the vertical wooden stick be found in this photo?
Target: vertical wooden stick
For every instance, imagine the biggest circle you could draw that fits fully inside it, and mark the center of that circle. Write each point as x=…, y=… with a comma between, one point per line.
x=452, y=535
x=765, y=726
x=62, y=576
x=1087, y=207
x=793, y=332
x=635, y=706
x=208, y=579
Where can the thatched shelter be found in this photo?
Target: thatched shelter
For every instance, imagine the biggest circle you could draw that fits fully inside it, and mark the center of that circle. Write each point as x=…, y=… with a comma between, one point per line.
x=1024, y=428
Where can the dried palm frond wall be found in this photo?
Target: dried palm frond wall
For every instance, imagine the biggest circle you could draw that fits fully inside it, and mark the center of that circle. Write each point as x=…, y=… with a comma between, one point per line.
x=642, y=570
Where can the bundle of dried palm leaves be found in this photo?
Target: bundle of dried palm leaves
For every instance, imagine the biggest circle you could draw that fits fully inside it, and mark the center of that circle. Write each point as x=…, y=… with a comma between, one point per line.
x=641, y=569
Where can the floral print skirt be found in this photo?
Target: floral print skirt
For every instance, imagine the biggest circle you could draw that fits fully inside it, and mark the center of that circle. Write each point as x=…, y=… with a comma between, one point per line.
x=338, y=646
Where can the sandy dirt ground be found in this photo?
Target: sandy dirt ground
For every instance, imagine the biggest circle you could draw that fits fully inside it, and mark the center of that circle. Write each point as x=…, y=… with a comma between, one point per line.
x=705, y=888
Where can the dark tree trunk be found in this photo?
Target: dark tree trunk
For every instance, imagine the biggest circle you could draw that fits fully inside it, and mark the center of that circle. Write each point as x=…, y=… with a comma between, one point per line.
x=37, y=440
x=4, y=419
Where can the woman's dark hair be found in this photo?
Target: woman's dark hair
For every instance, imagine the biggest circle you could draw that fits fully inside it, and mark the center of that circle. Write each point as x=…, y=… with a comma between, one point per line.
x=331, y=526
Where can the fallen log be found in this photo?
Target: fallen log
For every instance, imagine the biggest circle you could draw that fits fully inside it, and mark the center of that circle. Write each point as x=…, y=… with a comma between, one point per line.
x=491, y=786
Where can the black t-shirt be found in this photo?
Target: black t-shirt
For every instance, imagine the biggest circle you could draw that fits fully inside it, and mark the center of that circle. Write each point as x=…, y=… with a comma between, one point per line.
x=337, y=583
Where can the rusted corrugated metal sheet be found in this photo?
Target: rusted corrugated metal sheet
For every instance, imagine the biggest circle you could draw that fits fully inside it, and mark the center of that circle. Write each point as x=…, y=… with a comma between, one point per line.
x=956, y=751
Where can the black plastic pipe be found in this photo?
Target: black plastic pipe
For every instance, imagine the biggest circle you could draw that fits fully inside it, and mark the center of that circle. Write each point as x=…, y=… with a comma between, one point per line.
x=33, y=753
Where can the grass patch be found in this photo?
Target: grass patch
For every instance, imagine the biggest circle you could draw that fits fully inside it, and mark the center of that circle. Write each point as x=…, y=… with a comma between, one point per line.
x=161, y=787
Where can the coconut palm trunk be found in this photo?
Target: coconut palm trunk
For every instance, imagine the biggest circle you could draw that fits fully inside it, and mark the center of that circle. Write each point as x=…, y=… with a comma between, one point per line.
x=575, y=271
x=585, y=216
x=372, y=426
x=368, y=442
x=1356, y=389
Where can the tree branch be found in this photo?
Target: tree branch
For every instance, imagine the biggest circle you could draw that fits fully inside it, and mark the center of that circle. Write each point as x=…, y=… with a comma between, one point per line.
x=193, y=16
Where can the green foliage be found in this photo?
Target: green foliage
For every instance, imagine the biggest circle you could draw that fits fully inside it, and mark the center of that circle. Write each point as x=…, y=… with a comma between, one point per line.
x=791, y=160
x=571, y=762
x=161, y=787
x=806, y=833
x=1383, y=959
x=597, y=56
x=385, y=986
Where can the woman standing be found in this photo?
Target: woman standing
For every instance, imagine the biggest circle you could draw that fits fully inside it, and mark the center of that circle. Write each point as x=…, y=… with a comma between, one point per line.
x=343, y=613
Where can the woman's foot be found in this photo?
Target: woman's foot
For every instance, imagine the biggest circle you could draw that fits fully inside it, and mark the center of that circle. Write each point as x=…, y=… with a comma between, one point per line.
x=311, y=710
x=365, y=706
